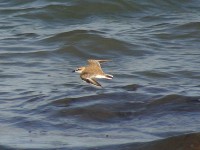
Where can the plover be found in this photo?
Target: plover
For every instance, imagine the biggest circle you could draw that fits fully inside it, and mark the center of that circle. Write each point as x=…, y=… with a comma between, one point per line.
x=92, y=71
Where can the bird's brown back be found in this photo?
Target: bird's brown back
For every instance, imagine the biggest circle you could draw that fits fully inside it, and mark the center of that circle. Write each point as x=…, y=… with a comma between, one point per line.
x=93, y=69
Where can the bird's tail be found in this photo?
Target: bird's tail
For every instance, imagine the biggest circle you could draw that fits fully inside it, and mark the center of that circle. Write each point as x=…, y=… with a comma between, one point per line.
x=108, y=76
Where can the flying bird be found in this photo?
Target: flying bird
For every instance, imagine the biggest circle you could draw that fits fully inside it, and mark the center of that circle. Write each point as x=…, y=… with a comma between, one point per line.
x=93, y=71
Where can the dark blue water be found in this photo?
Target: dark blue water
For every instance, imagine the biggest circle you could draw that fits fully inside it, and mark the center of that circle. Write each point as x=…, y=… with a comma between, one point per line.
x=155, y=51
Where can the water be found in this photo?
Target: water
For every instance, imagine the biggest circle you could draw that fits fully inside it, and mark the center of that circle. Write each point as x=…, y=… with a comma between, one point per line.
x=154, y=47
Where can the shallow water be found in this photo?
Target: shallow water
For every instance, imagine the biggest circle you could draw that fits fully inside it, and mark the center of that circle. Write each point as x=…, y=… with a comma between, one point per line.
x=154, y=47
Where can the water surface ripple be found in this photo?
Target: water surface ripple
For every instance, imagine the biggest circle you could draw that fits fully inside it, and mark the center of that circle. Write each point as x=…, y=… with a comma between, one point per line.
x=152, y=100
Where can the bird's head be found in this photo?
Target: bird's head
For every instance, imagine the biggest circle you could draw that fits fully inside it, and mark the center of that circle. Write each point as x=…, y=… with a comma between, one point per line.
x=79, y=69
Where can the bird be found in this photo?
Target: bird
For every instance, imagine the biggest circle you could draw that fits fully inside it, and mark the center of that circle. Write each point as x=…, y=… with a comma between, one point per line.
x=93, y=71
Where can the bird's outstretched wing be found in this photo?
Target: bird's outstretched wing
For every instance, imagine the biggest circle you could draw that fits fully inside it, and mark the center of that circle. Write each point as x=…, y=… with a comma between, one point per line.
x=96, y=62
x=86, y=77
x=92, y=81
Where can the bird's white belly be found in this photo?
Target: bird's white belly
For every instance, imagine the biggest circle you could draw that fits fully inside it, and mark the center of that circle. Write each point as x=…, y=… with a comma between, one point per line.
x=100, y=76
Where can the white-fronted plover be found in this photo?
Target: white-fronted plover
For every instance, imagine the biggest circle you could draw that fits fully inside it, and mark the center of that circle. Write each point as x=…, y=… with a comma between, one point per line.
x=92, y=71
